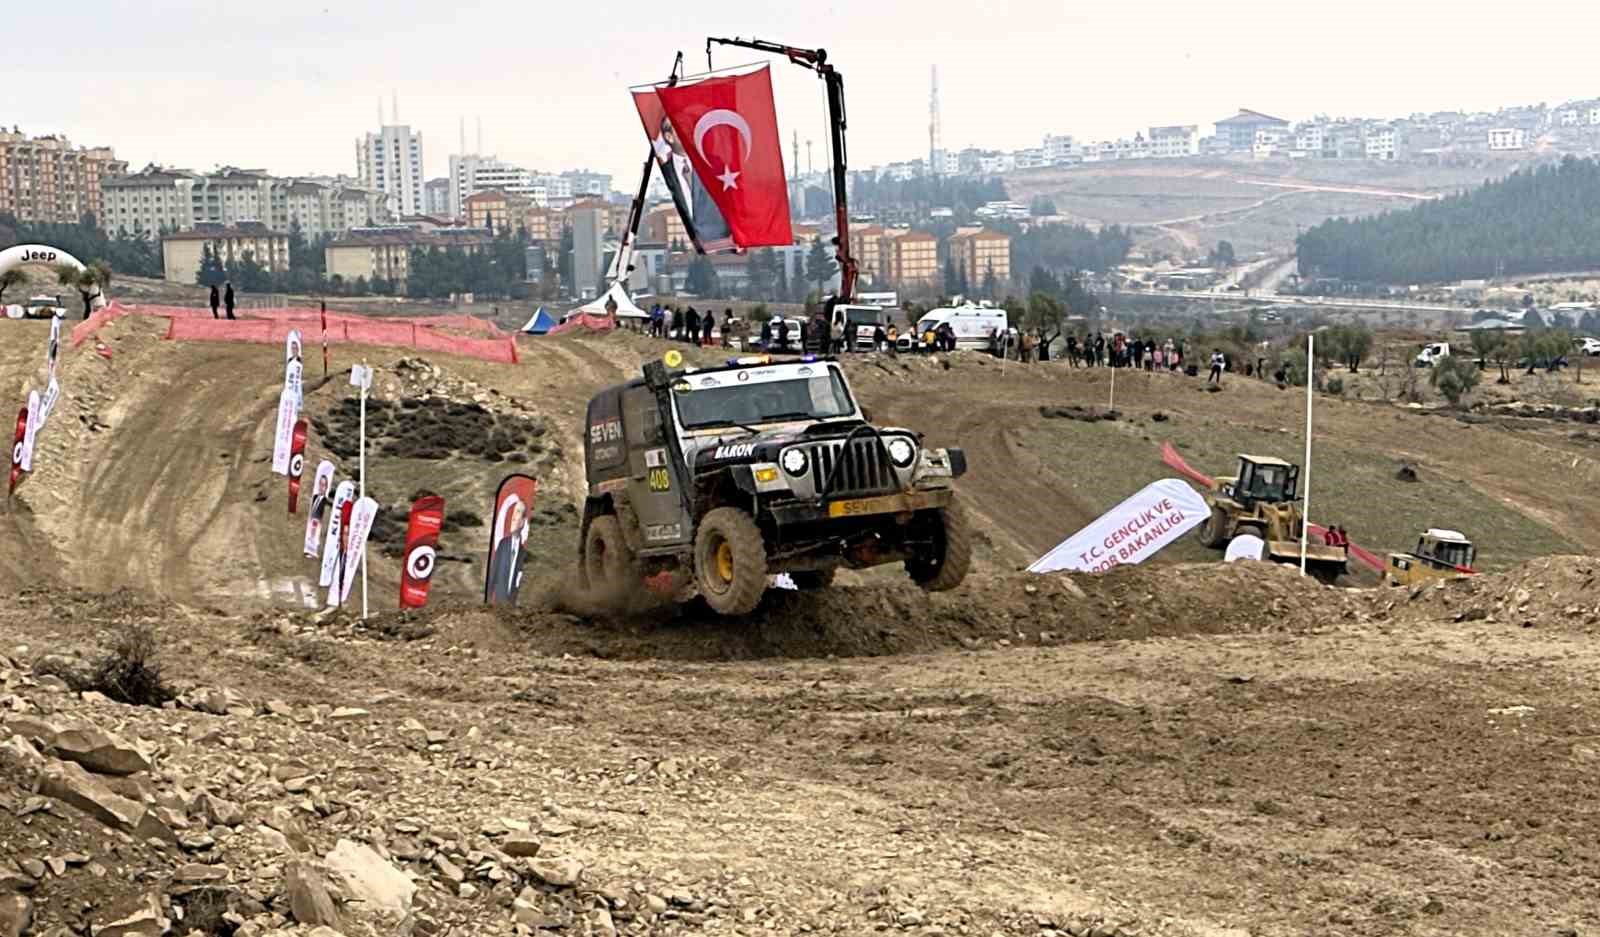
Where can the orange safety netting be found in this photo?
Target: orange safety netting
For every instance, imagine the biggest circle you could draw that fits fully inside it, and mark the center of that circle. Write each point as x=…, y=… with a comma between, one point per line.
x=586, y=321
x=272, y=326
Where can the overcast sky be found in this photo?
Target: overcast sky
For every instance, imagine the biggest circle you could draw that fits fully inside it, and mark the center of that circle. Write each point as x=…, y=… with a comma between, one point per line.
x=289, y=85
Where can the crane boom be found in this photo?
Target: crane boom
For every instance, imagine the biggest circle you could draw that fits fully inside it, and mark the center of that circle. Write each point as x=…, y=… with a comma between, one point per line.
x=817, y=60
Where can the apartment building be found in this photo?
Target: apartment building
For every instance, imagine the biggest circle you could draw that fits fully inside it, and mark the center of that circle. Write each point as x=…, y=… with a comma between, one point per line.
x=1238, y=133
x=48, y=179
x=1059, y=148
x=976, y=254
x=384, y=253
x=663, y=226
x=1174, y=142
x=181, y=251
x=436, y=198
x=157, y=200
x=390, y=161
x=865, y=246
x=1379, y=143
x=1502, y=139
x=495, y=210
x=908, y=259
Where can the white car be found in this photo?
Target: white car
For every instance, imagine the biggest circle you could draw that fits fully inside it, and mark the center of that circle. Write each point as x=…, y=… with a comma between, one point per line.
x=1589, y=346
x=44, y=307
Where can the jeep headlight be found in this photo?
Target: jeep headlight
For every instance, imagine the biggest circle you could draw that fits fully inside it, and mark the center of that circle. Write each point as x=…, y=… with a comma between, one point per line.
x=795, y=462
x=901, y=451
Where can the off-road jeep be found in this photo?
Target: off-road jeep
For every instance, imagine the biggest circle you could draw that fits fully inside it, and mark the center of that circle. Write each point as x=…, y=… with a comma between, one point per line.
x=713, y=480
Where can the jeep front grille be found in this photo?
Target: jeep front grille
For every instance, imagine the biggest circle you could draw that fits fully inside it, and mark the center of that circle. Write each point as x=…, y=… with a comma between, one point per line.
x=862, y=468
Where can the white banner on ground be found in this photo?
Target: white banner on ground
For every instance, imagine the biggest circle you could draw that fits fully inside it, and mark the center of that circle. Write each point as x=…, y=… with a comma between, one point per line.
x=292, y=346
x=1247, y=547
x=361, y=518
x=330, y=550
x=30, y=434
x=1131, y=532
x=283, y=441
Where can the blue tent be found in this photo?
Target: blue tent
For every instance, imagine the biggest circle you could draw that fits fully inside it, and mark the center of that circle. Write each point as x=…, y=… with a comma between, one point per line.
x=540, y=323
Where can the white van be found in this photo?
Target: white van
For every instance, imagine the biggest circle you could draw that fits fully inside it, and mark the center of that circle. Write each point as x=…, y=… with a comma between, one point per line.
x=975, y=325
x=1431, y=354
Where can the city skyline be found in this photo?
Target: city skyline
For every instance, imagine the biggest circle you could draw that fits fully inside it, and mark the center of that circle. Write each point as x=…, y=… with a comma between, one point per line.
x=315, y=73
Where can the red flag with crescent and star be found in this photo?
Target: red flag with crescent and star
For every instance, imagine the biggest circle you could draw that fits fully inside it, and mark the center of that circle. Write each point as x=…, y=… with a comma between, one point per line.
x=729, y=129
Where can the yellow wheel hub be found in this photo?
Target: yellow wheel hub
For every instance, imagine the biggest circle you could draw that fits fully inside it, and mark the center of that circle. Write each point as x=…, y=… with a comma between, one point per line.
x=725, y=561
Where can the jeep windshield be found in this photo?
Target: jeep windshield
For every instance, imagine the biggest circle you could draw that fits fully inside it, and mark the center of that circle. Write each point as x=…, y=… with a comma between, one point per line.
x=745, y=398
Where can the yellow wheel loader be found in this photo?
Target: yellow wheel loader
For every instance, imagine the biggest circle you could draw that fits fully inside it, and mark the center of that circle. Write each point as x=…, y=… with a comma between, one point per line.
x=1440, y=554
x=1261, y=500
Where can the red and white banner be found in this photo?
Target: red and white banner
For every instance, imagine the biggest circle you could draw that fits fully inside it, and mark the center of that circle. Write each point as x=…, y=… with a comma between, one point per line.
x=16, y=449
x=727, y=126
x=30, y=433
x=1131, y=532
x=362, y=514
x=696, y=209
x=342, y=496
x=283, y=438
x=508, y=535
x=297, y=464
x=321, y=492
x=422, y=542
x=292, y=382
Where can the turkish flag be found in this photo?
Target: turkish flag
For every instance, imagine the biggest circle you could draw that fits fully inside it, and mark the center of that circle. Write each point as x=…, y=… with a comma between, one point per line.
x=728, y=127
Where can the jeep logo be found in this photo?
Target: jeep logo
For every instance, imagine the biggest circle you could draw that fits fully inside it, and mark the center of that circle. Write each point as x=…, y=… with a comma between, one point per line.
x=48, y=257
x=741, y=451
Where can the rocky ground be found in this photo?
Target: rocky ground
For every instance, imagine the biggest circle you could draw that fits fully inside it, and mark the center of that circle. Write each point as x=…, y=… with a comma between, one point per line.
x=1177, y=749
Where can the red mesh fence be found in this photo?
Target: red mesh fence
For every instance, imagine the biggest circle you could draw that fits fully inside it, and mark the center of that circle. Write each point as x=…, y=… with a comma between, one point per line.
x=272, y=326
x=585, y=321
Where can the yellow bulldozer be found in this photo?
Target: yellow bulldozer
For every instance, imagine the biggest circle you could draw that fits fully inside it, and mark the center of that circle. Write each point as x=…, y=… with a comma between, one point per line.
x=1261, y=500
x=1440, y=554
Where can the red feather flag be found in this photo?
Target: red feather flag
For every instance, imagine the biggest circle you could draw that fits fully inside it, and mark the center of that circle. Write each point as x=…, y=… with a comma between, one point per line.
x=422, y=541
x=728, y=128
x=16, y=449
x=297, y=464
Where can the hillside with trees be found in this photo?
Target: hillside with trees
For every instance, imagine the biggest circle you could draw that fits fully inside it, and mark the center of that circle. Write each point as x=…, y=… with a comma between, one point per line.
x=1536, y=220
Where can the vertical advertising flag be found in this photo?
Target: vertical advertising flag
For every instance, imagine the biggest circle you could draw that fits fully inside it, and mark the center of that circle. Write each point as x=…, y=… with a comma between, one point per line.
x=16, y=449
x=283, y=438
x=701, y=218
x=342, y=496
x=361, y=515
x=508, y=538
x=30, y=433
x=51, y=395
x=321, y=489
x=54, y=350
x=324, y=338
x=728, y=128
x=422, y=541
x=297, y=464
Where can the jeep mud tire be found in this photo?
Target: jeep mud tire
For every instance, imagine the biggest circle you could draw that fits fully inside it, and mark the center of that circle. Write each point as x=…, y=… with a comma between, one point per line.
x=947, y=563
x=811, y=580
x=730, y=562
x=608, y=565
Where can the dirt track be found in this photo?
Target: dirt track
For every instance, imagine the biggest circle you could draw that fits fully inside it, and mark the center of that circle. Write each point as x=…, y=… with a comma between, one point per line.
x=1185, y=749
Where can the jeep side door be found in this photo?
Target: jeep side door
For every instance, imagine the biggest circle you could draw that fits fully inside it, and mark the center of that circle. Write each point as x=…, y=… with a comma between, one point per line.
x=655, y=487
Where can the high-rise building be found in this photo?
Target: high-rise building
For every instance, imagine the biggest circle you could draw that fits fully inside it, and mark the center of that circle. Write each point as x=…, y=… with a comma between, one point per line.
x=48, y=179
x=908, y=259
x=157, y=200
x=390, y=161
x=436, y=198
x=588, y=250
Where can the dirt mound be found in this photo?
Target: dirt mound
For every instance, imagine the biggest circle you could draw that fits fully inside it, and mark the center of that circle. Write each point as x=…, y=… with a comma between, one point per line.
x=1549, y=592
x=877, y=620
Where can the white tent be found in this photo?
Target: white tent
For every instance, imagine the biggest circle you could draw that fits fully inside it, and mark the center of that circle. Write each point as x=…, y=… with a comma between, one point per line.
x=625, y=307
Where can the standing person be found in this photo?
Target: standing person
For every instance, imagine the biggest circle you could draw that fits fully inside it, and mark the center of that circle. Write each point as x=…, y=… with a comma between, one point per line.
x=1138, y=354
x=1072, y=351
x=1218, y=360
x=227, y=299
x=1099, y=349
x=766, y=335
x=783, y=334
x=1149, y=354
x=825, y=332
x=691, y=326
x=708, y=327
x=216, y=300
x=893, y=337
x=878, y=337
x=1167, y=355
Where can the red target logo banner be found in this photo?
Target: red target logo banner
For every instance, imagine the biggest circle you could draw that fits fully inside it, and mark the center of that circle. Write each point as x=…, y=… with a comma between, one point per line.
x=508, y=538
x=422, y=545
x=297, y=464
x=16, y=449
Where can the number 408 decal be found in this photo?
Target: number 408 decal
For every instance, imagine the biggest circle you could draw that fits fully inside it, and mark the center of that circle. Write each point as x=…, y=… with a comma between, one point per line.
x=660, y=480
